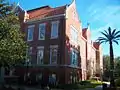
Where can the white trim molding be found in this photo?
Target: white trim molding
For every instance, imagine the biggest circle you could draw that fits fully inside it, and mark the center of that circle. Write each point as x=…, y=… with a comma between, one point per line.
x=40, y=47
x=31, y=26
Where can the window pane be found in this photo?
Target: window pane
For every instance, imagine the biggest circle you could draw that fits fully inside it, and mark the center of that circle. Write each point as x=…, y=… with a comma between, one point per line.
x=73, y=34
x=54, y=29
x=30, y=33
x=42, y=31
x=40, y=55
x=53, y=55
x=74, y=57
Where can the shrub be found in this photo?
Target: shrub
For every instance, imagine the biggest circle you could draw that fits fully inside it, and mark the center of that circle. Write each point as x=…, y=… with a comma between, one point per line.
x=69, y=86
x=81, y=85
x=117, y=82
x=84, y=82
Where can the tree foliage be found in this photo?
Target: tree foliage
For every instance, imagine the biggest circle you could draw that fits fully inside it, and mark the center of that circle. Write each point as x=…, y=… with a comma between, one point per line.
x=106, y=67
x=12, y=44
x=106, y=62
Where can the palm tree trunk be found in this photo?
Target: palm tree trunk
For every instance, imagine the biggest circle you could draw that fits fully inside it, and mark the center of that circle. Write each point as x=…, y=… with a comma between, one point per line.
x=112, y=83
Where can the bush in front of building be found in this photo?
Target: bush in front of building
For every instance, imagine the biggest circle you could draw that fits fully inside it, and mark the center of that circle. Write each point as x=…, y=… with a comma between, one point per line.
x=80, y=85
x=69, y=86
x=117, y=82
x=84, y=82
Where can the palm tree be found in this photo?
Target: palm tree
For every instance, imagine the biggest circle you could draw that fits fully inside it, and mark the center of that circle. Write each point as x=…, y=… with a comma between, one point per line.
x=110, y=36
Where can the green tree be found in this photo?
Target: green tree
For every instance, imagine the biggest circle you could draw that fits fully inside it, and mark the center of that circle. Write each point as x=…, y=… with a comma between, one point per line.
x=12, y=44
x=106, y=62
x=117, y=67
x=110, y=36
x=106, y=67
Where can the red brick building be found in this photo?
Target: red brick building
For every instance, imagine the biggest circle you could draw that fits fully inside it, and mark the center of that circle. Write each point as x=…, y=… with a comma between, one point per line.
x=58, y=46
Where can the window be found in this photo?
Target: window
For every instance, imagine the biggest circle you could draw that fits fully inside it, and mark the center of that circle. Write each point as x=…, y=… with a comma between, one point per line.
x=39, y=77
x=30, y=32
x=74, y=15
x=17, y=14
x=29, y=53
x=40, y=55
x=74, y=34
x=42, y=31
x=54, y=29
x=52, y=79
x=53, y=54
x=74, y=57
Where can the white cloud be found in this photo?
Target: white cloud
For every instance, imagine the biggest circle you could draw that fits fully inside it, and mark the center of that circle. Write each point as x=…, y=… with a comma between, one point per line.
x=96, y=32
x=109, y=14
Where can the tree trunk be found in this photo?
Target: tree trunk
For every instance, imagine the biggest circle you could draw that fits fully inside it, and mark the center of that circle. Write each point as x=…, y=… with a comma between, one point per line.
x=112, y=83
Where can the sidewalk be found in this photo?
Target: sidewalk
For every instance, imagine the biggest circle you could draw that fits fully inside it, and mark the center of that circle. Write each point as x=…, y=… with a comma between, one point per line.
x=99, y=87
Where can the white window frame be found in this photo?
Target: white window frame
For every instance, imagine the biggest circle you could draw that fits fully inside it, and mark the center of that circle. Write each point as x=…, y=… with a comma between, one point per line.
x=42, y=24
x=74, y=30
x=52, y=29
x=28, y=30
x=40, y=48
x=53, y=47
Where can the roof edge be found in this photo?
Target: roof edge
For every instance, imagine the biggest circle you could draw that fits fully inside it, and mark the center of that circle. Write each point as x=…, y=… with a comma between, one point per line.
x=38, y=8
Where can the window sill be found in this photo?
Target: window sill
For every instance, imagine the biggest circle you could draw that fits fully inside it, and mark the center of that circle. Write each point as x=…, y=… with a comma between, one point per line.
x=41, y=39
x=29, y=40
x=54, y=38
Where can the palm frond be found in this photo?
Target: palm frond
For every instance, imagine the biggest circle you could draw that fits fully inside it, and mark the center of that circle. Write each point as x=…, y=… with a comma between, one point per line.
x=116, y=33
x=102, y=38
x=103, y=41
x=109, y=30
x=105, y=34
x=117, y=37
x=113, y=32
x=116, y=41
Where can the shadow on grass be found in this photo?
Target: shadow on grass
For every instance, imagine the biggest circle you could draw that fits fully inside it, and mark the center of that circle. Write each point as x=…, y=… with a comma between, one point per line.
x=80, y=85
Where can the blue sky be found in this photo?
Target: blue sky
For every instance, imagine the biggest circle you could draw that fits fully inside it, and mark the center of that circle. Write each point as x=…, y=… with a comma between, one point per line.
x=99, y=13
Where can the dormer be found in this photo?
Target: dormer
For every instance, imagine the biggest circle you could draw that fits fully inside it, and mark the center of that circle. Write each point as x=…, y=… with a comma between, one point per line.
x=17, y=9
x=86, y=33
x=21, y=13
